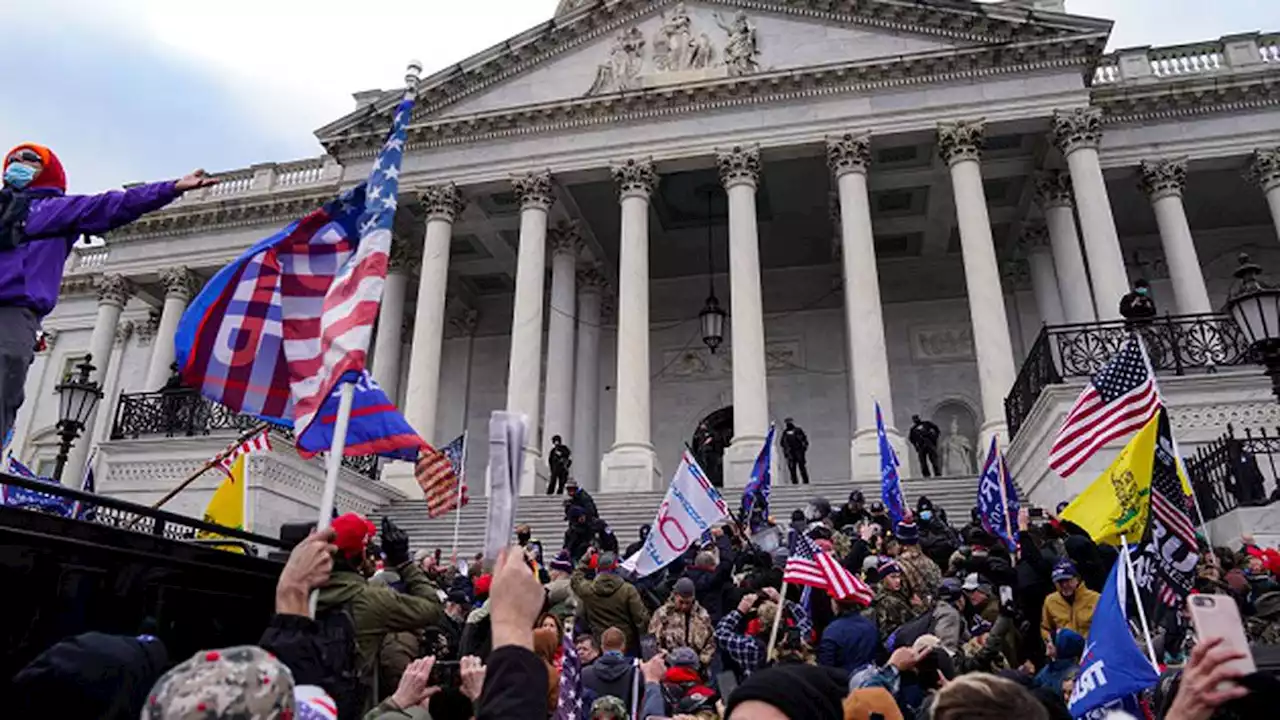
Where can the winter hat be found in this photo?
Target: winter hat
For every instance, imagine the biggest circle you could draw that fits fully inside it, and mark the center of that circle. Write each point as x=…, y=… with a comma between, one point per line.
x=608, y=562
x=877, y=506
x=887, y=567
x=314, y=703
x=684, y=588
x=1068, y=644
x=870, y=562
x=683, y=657
x=608, y=707
x=856, y=497
x=562, y=562
x=352, y=534
x=483, y=583
x=797, y=691
x=51, y=176
x=907, y=533
x=949, y=589
x=871, y=702
x=90, y=675
x=241, y=681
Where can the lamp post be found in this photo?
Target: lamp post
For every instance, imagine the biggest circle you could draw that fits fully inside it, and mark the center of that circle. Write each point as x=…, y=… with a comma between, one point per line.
x=712, y=315
x=1255, y=307
x=77, y=398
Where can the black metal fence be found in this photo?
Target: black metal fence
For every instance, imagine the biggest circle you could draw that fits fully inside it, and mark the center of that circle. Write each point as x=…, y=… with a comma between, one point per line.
x=1233, y=471
x=1176, y=344
x=183, y=412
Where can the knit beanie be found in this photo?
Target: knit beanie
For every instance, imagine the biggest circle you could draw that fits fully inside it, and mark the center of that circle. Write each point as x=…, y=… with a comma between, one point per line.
x=798, y=691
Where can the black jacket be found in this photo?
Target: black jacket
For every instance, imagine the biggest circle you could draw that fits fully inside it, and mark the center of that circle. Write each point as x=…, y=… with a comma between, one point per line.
x=924, y=434
x=560, y=458
x=515, y=686
x=710, y=585
x=612, y=675
x=582, y=499
x=794, y=442
x=1134, y=306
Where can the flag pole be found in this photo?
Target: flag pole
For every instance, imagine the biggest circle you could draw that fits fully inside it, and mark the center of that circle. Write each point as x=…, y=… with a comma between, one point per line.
x=777, y=620
x=213, y=462
x=457, y=511
x=337, y=449
x=1004, y=496
x=1142, y=611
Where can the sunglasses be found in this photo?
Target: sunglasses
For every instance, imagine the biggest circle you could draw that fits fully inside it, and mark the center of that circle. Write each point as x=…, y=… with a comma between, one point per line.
x=26, y=155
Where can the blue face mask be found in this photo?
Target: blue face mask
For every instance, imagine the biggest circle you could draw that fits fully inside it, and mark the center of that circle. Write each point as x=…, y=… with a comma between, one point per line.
x=926, y=514
x=19, y=176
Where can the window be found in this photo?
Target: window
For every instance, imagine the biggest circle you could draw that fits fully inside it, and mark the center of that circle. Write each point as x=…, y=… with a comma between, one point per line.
x=44, y=467
x=69, y=364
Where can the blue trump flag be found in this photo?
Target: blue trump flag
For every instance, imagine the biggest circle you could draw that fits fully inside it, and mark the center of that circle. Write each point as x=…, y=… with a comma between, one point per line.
x=996, y=518
x=1112, y=669
x=755, y=496
x=890, y=484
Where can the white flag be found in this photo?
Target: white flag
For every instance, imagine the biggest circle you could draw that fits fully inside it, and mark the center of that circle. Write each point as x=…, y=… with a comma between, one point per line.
x=690, y=508
x=507, y=433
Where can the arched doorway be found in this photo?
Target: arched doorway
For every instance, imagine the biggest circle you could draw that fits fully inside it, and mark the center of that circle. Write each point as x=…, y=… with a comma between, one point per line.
x=710, y=438
x=957, y=448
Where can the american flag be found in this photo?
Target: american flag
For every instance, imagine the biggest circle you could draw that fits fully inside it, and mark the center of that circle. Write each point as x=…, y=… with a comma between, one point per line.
x=1119, y=400
x=1169, y=541
x=809, y=566
x=277, y=331
x=570, y=704
x=258, y=443
x=442, y=477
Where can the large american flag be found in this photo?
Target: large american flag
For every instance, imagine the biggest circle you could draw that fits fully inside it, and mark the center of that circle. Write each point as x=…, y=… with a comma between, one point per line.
x=442, y=477
x=809, y=566
x=570, y=704
x=1118, y=401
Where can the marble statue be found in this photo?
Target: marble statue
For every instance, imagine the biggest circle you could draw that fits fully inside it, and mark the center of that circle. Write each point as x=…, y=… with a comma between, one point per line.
x=623, y=67
x=743, y=46
x=957, y=452
x=673, y=45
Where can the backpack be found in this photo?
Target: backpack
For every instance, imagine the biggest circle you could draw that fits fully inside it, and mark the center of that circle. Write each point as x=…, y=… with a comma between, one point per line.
x=910, y=631
x=336, y=638
x=13, y=218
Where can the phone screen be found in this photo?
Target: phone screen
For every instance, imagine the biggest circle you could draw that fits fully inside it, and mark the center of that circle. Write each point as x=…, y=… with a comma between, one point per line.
x=648, y=647
x=445, y=673
x=1006, y=595
x=1218, y=616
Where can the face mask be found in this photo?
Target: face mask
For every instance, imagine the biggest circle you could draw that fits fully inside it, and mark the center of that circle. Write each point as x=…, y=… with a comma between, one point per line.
x=926, y=514
x=1141, y=291
x=523, y=537
x=18, y=175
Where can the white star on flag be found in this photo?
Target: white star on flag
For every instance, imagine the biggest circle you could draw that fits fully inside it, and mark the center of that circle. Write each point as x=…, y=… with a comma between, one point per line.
x=391, y=173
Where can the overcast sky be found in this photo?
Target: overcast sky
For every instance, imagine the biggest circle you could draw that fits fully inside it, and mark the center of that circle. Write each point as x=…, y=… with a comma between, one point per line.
x=127, y=90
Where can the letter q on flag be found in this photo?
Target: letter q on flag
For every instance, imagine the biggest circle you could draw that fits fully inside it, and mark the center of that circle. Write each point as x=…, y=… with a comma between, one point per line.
x=689, y=509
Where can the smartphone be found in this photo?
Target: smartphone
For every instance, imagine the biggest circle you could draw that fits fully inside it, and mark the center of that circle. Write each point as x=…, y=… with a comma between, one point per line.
x=1035, y=512
x=1006, y=595
x=648, y=647
x=1217, y=616
x=445, y=673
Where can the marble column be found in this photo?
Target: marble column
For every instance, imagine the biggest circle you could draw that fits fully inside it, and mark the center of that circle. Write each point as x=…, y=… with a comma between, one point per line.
x=631, y=464
x=525, y=365
x=1077, y=134
x=1053, y=192
x=111, y=384
x=37, y=379
x=113, y=292
x=1164, y=182
x=561, y=317
x=740, y=171
x=389, y=341
x=849, y=157
x=179, y=285
x=586, y=380
x=960, y=145
x=1034, y=244
x=1264, y=169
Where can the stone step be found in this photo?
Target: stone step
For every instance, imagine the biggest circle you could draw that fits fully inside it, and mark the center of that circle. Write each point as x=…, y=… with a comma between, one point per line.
x=626, y=512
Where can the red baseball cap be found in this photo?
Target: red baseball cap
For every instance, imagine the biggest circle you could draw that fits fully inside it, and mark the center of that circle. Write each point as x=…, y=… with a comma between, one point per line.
x=352, y=533
x=482, y=585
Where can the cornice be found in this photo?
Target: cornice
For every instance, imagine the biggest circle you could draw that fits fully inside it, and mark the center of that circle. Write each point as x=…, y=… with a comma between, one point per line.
x=1196, y=95
x=860, y=76
x=227, y=214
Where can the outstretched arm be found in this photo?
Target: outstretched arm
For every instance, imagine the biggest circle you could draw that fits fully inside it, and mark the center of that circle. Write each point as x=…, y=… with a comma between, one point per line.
x=75, y=214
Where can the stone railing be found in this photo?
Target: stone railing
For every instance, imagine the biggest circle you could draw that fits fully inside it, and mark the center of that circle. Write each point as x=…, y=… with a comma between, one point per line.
x=267, y=178
x=89, y=258
x=1224, y=56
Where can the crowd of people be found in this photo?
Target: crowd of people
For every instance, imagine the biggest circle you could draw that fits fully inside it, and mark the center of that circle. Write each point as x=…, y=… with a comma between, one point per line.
x=957, y=627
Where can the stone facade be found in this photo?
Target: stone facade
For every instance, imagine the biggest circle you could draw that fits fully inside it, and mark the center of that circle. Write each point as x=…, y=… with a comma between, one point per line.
x=697, y=148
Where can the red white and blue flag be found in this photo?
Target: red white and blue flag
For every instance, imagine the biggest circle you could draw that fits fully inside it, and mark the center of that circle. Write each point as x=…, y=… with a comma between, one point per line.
x=277, y=332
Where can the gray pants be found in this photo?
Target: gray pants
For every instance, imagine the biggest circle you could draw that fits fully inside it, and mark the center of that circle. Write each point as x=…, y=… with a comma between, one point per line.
x=18, y=327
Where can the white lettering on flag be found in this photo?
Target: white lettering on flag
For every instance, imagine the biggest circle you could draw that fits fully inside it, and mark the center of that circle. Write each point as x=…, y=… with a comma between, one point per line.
x=689, y=509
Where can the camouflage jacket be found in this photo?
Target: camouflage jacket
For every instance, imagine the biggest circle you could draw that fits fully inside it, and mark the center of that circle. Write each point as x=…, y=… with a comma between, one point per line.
x=1264, y=631
x=673, y=629
x=890, y=610
x=920, y=574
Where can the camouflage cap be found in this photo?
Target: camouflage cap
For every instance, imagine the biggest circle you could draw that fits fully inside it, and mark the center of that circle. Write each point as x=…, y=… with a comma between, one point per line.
x=236, y=683
x=609, y=707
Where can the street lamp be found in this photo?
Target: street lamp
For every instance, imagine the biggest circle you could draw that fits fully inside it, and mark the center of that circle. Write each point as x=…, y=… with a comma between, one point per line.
x=712, y=316
x=1255, y=307
x=77, y=397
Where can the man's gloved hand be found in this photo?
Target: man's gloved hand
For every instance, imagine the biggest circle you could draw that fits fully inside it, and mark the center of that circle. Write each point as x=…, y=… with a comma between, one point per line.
x=395, y=543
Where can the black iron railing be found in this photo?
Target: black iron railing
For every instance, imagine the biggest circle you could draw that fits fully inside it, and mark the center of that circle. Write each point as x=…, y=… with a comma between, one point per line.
x=183, y=412
x=1176, y=344
x=1233, y=471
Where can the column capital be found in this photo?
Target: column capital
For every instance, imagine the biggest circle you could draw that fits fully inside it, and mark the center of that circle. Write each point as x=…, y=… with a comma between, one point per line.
x=1163, y=178
x=1053, y=189
x=442, y=202
x=739, y=165
x=961, y=140
x=123, y=331
x=1077, y=128
x=179, y=282
x=635, y=177
x=565, y=238
x=591, y=279
x=1034, y=238
x=462, y=320
x=1264, y=168
x=849, y=153
x=405, y=255
x=534, y=190
x=1015, y=274
x=146, y=331
x=114, y=289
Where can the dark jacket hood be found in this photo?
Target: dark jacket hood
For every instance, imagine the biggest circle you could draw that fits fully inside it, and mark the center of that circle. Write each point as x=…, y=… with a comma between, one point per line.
x=607, y=584
x=610, y=667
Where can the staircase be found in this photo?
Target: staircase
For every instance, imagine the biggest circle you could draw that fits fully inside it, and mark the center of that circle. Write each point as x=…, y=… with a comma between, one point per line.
x=626, y=512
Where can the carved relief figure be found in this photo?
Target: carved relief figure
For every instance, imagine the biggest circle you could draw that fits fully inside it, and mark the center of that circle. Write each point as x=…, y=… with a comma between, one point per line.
x=957, y=452
x=625, y=60
x=673, y=45
x=743, y=46
x=704, y=54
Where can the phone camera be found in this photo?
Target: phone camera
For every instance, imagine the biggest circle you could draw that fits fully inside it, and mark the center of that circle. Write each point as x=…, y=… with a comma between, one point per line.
x=1201, y=601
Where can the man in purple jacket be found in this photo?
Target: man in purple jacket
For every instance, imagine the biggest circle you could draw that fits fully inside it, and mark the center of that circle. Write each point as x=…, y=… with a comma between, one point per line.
x=39, y=223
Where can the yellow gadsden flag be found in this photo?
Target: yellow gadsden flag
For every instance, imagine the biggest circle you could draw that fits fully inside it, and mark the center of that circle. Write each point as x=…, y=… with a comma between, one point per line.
x=1117, y=502
x=226, y=508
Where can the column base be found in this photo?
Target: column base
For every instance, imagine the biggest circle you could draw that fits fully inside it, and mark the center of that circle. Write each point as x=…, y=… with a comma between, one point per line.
x=740, y=458
x=865, y=453
x=996, y=428
x=399, y=475
x=630, y=468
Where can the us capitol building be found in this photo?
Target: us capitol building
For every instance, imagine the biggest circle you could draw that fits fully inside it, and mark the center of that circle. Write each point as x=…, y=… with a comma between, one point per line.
x=932, y=205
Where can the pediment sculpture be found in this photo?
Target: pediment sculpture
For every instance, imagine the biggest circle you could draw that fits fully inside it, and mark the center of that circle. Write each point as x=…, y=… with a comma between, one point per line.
x=679, y=52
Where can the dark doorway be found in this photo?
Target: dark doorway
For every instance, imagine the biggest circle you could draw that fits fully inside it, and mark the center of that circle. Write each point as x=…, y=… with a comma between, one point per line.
x=710, y=438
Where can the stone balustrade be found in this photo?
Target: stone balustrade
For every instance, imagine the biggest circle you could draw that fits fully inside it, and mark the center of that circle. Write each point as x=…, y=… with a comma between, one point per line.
x=1224, y=56
x=267, y=178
